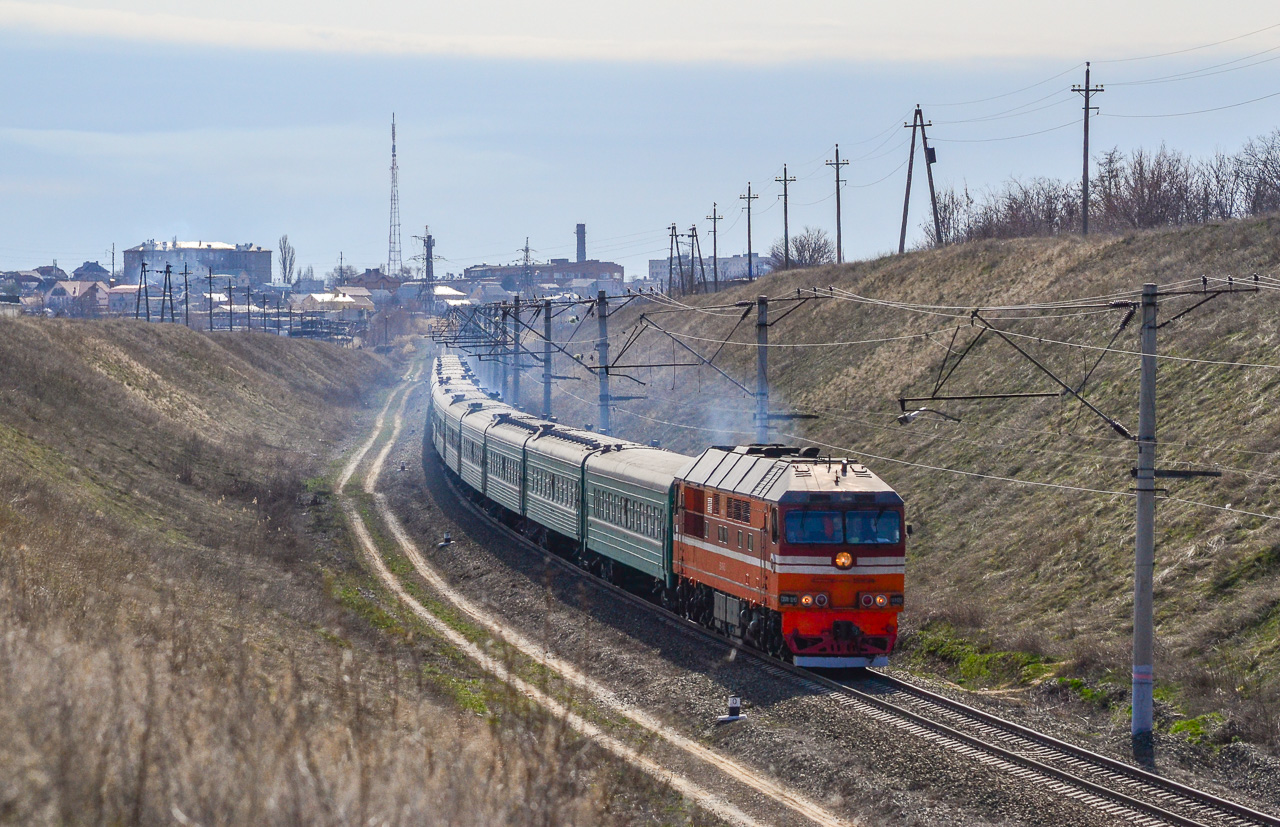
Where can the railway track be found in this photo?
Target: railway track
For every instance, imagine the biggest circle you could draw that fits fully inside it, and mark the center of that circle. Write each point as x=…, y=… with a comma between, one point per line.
x=1125, y=792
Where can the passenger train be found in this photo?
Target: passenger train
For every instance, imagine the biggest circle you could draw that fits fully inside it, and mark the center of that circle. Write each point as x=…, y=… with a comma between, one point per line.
x=798, y=555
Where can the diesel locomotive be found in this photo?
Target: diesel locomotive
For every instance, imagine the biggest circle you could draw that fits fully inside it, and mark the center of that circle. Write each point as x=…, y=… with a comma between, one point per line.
x=796, y=554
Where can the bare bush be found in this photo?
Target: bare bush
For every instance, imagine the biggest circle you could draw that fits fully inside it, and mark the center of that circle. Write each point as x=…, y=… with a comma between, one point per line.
x=1141, y=190
x=811, y=248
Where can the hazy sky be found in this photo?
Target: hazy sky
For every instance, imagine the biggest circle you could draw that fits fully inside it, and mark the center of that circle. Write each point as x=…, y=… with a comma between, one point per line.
x=240, y=121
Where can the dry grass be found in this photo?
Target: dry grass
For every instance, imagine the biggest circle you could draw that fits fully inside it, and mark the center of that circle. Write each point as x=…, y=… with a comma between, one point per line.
x=187, y=636
x=1029, y=560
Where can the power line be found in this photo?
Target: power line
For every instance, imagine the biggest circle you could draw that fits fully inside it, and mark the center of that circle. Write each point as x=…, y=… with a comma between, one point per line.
x=1195, y=112
x=1193, y=48
x=1006, y=137
x=1205, y=72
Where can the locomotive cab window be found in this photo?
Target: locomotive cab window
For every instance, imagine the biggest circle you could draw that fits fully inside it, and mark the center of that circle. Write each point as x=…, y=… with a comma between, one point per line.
x=873, y=527
x=815, y=527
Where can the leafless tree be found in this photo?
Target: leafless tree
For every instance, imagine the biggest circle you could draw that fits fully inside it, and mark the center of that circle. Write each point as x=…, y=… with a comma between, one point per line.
x=955, y=217
x=811, y=248
x=288, y=257
x=1259, y=163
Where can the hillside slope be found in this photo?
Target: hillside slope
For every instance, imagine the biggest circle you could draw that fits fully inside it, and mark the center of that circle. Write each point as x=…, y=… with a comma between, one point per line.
x=997, y=562
x=188, y=635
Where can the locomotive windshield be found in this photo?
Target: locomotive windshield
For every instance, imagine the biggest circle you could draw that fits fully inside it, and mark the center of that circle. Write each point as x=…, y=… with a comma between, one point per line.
x=839, y=527
x=881, y=526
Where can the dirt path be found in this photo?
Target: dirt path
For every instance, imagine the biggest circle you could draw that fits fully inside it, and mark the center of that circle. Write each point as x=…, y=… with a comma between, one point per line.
x=716, y=763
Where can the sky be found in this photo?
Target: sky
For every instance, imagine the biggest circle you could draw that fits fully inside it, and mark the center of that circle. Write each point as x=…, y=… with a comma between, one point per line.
x=241, y=121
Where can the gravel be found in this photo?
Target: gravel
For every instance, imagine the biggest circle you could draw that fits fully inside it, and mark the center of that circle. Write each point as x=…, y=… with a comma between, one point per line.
x=857, y=767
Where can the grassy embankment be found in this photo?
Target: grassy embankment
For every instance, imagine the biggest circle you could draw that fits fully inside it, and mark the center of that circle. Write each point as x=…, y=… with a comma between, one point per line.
x=1011, y=584
x=188, y=633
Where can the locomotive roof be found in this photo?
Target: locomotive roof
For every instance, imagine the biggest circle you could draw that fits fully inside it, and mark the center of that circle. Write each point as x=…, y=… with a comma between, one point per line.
x=785, y=476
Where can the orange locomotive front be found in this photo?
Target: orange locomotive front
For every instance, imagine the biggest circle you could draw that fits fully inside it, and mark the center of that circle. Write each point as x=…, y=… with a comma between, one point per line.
x=798, y=555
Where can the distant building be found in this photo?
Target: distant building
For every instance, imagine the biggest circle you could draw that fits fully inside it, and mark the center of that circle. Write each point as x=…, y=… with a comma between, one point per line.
x=308, y=286
x=64, y=298
x=729, y=268
x=247, y=264
x=375, y=279
x=52, y=272
x=91, y=271
x=558, y=270
x=27, y=282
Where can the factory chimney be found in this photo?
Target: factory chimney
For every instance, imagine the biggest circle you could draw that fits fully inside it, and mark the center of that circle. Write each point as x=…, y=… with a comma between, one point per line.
x=582, y=243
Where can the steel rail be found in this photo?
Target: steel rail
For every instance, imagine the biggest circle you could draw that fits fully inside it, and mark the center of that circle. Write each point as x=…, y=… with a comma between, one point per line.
x=1194, y=797
x=1230, y=812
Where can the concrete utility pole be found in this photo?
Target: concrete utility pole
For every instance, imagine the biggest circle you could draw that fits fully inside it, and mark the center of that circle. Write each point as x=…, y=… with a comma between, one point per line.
x=762, y=370
x=786, y=221
x=186, y=296
x=751, y=267
x=1144, y=557
x=211, y=299
x=515, y=352
x=715, y=218
x=602, y=349
x=1088, y=91
x=546, y=358
x=837, y=163
x=231, y=307
x=502, y=346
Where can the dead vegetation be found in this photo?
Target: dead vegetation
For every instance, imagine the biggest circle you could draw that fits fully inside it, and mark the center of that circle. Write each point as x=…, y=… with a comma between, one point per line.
x=187, y=637
x=1010, y=565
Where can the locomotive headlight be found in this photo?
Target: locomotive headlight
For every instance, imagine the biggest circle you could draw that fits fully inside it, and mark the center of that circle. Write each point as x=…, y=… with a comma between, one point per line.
x=806, y=600
x=882, y=601
x=821, y=600
x=844, y=560
x=867, y=600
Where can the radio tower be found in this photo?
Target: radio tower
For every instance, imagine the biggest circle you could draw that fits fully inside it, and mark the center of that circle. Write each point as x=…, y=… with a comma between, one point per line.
x=394, y=262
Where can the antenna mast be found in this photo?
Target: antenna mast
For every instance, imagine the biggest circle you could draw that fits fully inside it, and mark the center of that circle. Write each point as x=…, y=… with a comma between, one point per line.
x=394, y=262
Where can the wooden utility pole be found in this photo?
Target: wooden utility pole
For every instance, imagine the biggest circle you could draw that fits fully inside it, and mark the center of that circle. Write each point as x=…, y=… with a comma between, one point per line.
x=1088, y=91
x=715, y=218
x=675, y=238
x=930, y=157
x=837, y=163
x=695, y=249
x=231, y=307
x=168, y=294
x=186, y=296
x=211, y=299
x=671, y=262
x=751, y=267
x=786, y=221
